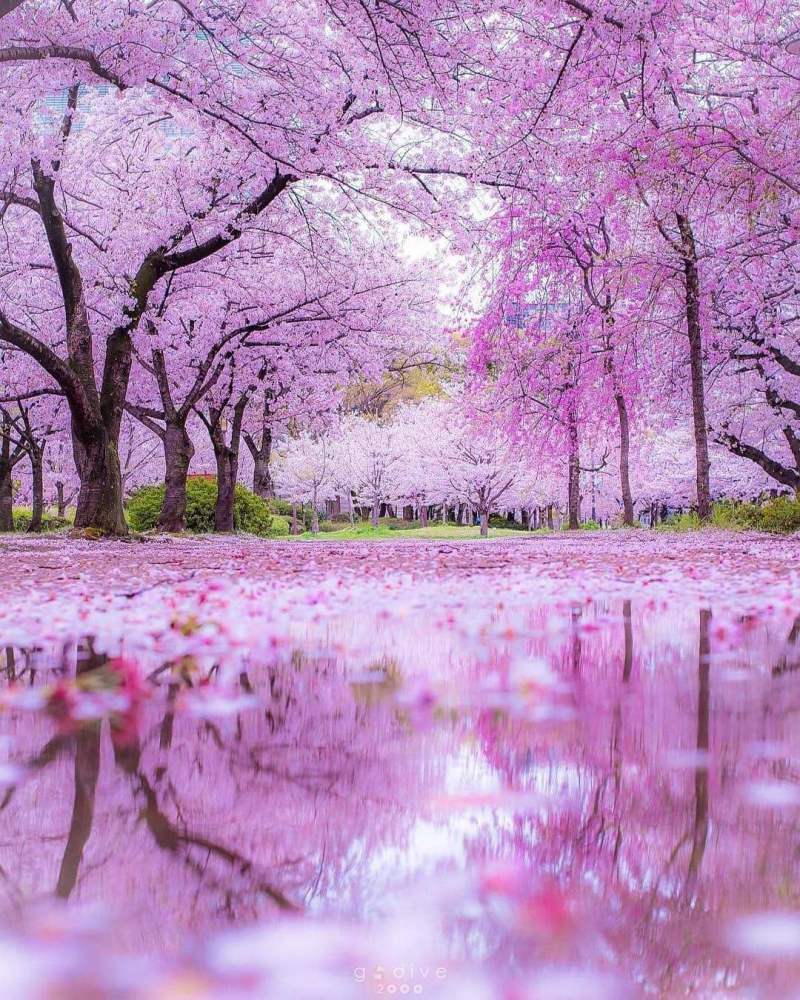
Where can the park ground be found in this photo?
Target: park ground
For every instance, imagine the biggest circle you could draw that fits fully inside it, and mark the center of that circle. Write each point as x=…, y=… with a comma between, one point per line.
x=638, y=558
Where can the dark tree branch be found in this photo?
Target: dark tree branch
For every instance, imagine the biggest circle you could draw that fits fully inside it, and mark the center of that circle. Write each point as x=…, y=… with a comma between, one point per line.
x=780, y=473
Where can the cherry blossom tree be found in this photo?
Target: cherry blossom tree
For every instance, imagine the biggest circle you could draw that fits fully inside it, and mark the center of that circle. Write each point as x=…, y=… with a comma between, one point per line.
x=422, y=480
x=305, y=473
x=195, y=162
x=32, y=417
x=663, y=194
x=482, y=467
x=368, y=459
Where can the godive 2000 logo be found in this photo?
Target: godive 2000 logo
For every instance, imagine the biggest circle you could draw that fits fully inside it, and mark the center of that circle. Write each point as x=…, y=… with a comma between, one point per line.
x=400, y=980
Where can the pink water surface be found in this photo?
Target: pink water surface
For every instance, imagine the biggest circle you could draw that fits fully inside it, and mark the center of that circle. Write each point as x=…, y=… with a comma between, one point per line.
x=523, y=770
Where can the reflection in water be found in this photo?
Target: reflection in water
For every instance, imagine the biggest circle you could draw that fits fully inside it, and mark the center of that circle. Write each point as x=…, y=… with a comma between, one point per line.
x=609, y=793
x=87, y=768
x=700, y=832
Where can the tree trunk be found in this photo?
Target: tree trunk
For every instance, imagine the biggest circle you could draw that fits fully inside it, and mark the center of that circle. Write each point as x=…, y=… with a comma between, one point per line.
x=294, y=530
x=226, y=456
x=227, y=467
x=96, y=411
x=96, y=443
x=6, y=482
x=37, y=492
x=263, y=484
x=99, y=503
x=484, y=524
x=178, y=453
x=373, y=517
x=423, y=515
x=314, y=514
x=61, y=501
x=6, y=498
x=574, y=476
x=693, y=329
x=624, y=459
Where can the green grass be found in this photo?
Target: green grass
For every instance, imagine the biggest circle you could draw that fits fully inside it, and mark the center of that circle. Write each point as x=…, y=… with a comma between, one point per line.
x=49, y=511
x=50, y=521
x=365, y=532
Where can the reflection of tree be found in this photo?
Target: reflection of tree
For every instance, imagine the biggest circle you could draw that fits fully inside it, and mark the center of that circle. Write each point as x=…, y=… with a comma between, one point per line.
x=181, y=842
x=790, y=659
x=222, y=820
x=616, y=729
x=700, y=829
x=87, y=768
x=305, y=801
x=628, y=628
x=628, y=831
x=575, y=638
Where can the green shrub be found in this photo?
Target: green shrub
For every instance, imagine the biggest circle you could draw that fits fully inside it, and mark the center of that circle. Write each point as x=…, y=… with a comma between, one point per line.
x=681, y=522
x=498, y=521
x=398, y=524
x=735, y=515
x=22, y=520
x=251, y=514
x=329, y=526
x=278, y=506
x=284, y=508
x=590, y=525
x=780, y=515
x=280, y=526
x=143, y=507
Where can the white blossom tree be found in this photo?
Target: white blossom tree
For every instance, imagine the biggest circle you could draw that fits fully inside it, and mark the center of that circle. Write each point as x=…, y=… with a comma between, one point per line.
x=305, y=473
x=482, y=466
x=369, y=460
